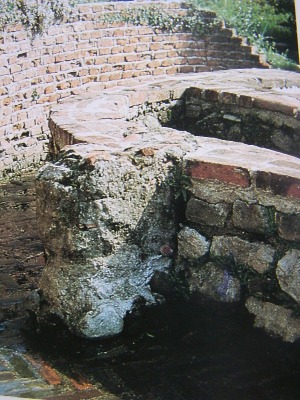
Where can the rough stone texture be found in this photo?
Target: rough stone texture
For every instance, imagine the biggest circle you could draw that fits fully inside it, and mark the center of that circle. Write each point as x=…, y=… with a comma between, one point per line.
x=289, y=226
x=253, y=218
x=275, y=319
x=191, y=245
x=103, y=225
x=212, y=282
x=259, y=256
x=288, y=273
x=208, y=214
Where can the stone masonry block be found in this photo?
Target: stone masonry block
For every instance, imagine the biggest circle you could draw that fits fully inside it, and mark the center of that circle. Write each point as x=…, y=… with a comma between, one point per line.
x=201, y=212
x=212, y=282
x=274, y=319
x=191, y=244
x=256, y=255
x=253, y=217
x=288, y=274
x=289, y=226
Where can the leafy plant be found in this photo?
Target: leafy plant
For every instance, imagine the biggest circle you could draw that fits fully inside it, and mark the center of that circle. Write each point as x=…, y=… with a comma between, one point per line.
x=35, y=15
x=180, y=182
x=193, y=20
x=8, y=13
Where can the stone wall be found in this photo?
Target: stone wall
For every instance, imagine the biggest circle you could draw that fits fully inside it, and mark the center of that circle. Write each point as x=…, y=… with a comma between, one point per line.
x=249, y=220
x=36, y=74
x=225, y=215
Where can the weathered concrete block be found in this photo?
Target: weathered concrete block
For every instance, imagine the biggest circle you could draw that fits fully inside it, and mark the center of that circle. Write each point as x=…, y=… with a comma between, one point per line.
x=275, y=319
x=288, y=274
x=211, y=281
x=191, y=245
x=104, y=220
x=257, y=255
x=289, y=226
x=253, y=217
x=201, y=212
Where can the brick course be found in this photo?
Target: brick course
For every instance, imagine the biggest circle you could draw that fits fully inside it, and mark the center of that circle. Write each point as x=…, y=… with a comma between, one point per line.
x=48, y=68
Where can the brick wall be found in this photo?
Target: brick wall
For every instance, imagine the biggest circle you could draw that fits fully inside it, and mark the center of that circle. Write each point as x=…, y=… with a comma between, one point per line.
x=36, y=74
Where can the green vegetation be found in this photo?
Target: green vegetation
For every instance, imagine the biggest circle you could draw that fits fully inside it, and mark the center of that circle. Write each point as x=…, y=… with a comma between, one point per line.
x=34, y=15
x=266, y=23
x=193, y=20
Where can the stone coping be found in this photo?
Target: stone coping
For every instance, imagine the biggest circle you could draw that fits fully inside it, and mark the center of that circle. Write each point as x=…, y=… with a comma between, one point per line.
x=104, y=125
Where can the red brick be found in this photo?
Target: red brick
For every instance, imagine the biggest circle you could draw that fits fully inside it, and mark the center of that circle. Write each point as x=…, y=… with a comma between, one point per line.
x=50, y=89
x=186, y=69
x=106, y=68
x=172, y=70
x=46, y=371
x=121, y=42
x=118, y=32
x=278, y=184
x=154, y=64
x=160, y=54
x=94, y=71
x=63, y=85
x=167, y=63
x=273, y=105
x=159, y=71
x=60, y=58
x=106, y=42
x=104, y=50
x=141, y=65
x=116, y=59
x=79, y=381
x=115, y=76
x=155, y=46
x=173, y=53
x=132, y=57
x=127, y=74
x=202, y=170
x=145, y=39
x=196, y=60
x=142, y=47
x=145, y=30
x=133, y=40
x=4, y=71
x=228, y=98
x=129, y=48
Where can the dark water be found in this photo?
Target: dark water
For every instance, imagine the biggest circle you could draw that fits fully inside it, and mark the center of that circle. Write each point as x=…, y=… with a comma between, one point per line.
x=185, y=352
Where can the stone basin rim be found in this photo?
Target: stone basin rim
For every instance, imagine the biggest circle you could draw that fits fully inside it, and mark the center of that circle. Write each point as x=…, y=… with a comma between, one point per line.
x=78, y=124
